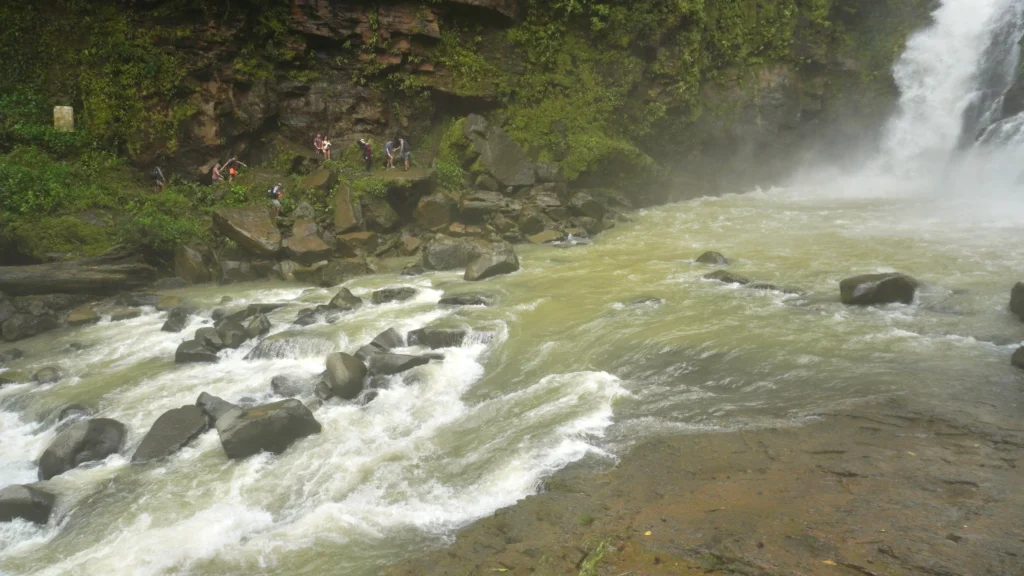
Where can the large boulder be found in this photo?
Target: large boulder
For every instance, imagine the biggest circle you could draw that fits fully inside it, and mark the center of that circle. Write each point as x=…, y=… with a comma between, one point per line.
x=388, y=339
x=435, y=211
x=872, y=289
x=265, y=428
x=259, y=326
x=84, y=441
x=82, y=316
x=1017, y=300
x=345, y=375
x=208, y=337
x=21, y=326
x=251, y=227
x=447, y=253
x=341, y=270
x=189, y=264
x=478, y=206
x=378, y=214
x=712, y=259
x=500, y=259
x=345, y=301
x=583, y=204
x=304, y=245
x=27, y=503
x=348, y=215
x=499, y=154
x=435, y=338
x=386, y=364
x=385, y=295
x=191, y=352
x=232, y=333
x=172, y=431
x=214, y=407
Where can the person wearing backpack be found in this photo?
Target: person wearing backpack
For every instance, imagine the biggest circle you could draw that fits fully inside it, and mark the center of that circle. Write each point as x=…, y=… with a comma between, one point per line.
x=367, y=146
x=158, y=179
x=275, y=195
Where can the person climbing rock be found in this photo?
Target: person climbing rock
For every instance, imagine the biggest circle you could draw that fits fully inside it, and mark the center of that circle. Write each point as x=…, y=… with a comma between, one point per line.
x=367, y=147
x=232, y=167
x=158, y=179
x=318, y=143
x=275, y=195
x=404, y=150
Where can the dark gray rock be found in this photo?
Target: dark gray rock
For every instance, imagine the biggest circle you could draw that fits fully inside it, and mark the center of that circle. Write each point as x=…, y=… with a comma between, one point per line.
x=549, y=173
x=48, y=375
x=447, y=253
x=502, y=157
x=74, y=412
x=192, y=352
x=413, y=269
x=712, y=259
x=339, y=271
x=364, y=353
x=82, y=442
x=727, y=277
x=218, y=314
x=471, y=299
x=387, y=364
x=645, y=301
x=435, y=338
x=393, y=295
x=1018, y=358
x=480, y=205
x=258, y=326
x=291, y=386
x=501, y=259
x=232, y=333
x=177, y=319
x=171, y=432
x=583, y=204
x=27, y=503
x=174, y=283
x=213, y=406
x=378, y=215
x=388, y=339
x=209, y=338
x=345, y=375
x=266, y=428
x=872, y=289
x=10, y=355
x=345, y=301
x=21, y=326
x=1017, y=300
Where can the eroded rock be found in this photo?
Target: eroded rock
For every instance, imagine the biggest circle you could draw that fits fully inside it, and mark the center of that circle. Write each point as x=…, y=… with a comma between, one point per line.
x=82, y=442
x=171, y=432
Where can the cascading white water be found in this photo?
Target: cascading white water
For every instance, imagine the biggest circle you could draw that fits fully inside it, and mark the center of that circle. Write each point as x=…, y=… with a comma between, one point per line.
x=951, y=79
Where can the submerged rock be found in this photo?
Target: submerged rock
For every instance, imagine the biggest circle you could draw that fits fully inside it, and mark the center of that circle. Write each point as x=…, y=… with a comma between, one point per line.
x=469, y=299
x=172, y=431
x=265, y=428
x=727, y=277
x=84, y=441
x=10, y=355
x=290, y=344
x=48, y=375
x=345, y=375
x=393, y=295
x=870, y=289
x=387, y=364
x=291, y=386
x=712, y=259
x=27, y=503
x=194, y=351
x=435, y=338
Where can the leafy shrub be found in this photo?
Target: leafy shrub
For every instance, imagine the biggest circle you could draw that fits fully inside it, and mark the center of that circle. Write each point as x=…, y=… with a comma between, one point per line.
x=450, y=176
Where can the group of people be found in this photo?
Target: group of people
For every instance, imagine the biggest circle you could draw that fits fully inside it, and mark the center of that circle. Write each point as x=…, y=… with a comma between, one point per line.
x=217, y=174
x=397, y=148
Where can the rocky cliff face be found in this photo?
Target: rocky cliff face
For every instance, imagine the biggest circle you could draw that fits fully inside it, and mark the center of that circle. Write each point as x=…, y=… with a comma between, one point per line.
x=699, y=88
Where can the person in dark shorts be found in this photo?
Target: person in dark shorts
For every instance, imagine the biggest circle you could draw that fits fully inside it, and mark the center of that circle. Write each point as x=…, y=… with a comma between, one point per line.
x=158, y=179
x=403, y=151
x=367, y=147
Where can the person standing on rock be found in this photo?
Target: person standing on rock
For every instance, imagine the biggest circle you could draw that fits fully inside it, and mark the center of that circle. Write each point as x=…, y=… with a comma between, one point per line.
x=367, y=146
x=389, y=150
x=404, y=150
x=215, y=174
x=326, y=149
x=318, y=143
x=232, y=171
x=275, y=195
x=158, y=179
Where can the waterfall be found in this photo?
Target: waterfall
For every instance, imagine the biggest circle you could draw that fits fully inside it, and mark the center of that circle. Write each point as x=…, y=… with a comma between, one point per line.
x=952, y=76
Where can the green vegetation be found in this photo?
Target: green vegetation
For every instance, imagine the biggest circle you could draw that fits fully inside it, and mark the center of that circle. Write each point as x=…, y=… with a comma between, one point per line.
x=594, y=557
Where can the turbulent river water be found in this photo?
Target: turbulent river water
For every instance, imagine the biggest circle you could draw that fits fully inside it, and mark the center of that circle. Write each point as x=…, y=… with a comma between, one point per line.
x=588, y=350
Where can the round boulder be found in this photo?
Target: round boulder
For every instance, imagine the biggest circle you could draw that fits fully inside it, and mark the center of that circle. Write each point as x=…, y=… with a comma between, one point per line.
x=345, y=375
x=84, y=441
x=871, y=289
x=712, y=259
x=48, y=375
x=27, y=503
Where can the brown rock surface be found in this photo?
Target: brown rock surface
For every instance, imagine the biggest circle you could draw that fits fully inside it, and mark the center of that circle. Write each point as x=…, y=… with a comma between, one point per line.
x=251, y=227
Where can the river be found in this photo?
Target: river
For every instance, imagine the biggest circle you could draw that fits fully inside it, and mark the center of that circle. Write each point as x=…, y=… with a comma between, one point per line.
x=589, y=349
